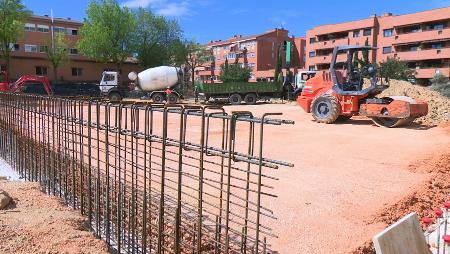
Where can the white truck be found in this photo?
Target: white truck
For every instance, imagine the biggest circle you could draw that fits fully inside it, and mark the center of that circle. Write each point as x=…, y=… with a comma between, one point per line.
x=161, y=84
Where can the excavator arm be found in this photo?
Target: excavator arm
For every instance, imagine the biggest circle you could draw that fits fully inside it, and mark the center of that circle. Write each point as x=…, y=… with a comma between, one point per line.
x=21, y=82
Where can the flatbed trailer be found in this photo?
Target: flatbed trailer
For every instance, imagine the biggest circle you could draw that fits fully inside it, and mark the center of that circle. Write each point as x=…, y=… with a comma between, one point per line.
x=235, y=92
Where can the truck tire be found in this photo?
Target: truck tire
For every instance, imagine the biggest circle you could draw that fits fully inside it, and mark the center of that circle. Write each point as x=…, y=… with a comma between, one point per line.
x=158, y=98
x=250, y=99
x=325, y=108
x=172, y=98
x=235, y=99
x=115, y=97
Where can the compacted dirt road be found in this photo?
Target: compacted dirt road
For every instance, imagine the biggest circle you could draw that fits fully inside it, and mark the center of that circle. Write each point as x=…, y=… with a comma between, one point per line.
x=345, y=175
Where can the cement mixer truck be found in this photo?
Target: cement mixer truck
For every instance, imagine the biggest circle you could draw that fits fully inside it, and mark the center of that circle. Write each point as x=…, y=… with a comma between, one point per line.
x=161, y=84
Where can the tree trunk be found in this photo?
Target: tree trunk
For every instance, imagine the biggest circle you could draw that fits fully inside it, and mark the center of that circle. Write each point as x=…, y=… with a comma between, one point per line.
x=55, y=72
x=192, y=75
x=8, y=63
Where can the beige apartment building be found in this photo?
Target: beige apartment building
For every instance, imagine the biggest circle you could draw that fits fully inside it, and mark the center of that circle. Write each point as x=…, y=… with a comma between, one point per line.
x=420, y=39
x=258, y=52
x=29, y=53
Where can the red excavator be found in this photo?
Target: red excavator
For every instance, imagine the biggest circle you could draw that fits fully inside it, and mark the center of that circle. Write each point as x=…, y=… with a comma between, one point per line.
x=332, y=96
x=20, y=84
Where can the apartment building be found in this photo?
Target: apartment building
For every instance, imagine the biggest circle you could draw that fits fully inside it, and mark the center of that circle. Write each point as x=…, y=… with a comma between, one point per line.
x=420, y=39
x=29, y=53
x=258, y=52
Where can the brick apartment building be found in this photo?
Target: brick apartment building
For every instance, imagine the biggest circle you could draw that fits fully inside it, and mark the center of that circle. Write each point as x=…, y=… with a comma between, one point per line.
x=420, y=39
x=258, y=52
x=29, y=53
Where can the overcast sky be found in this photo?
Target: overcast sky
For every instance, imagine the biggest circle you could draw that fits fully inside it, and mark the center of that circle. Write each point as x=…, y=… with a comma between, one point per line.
x=206, y=20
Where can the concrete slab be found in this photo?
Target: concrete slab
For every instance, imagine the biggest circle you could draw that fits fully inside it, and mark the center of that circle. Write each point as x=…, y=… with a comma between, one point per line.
x=403, y=237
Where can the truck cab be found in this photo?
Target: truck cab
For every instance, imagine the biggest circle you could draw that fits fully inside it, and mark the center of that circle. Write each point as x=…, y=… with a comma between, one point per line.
x=109, y=86
x=300, y=80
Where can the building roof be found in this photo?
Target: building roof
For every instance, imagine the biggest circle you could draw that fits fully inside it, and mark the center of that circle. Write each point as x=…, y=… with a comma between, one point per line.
x=237, y=38
x=64, y=20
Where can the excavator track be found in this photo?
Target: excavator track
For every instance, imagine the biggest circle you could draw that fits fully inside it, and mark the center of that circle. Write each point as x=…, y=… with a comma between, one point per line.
x=392, y=122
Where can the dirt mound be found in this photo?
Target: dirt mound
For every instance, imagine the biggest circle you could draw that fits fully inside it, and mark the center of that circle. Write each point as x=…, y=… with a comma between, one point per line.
x=439, y=106
x=425, y=198
x=37, y=223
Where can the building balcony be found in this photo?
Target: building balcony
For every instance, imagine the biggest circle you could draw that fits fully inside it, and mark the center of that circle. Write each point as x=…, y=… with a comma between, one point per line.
x=430, y=72
x=422, y=36
x=423, y=54
x=208, y=73
x=326, y=59
x=328, y=44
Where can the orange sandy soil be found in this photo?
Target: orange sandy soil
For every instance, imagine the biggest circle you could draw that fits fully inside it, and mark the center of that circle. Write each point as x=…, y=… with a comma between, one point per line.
x=38, y=223
x=350, y=179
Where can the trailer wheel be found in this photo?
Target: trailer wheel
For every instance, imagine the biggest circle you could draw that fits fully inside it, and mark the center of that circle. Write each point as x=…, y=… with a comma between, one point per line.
x=235, y=99
x=250, y=99
x=114, y=97
x=325, y=108
x=158, y=98
x=172, y=98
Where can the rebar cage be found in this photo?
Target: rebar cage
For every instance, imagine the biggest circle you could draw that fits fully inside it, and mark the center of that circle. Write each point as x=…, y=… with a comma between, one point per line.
x=150, y=178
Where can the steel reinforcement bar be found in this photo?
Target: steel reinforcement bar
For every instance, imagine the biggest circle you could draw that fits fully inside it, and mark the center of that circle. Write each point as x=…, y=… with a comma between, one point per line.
x=150, y=178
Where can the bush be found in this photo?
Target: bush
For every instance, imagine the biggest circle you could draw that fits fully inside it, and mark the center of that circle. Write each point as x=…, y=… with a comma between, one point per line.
x=395, y=69
x=441, y=84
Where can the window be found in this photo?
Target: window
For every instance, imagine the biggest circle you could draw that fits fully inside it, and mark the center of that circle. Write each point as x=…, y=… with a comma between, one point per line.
x=436, y=46
x=414, y=29
x=312, y=54
x=414, y=48
x=43, y=49
x=438, y=26
x=77, y=72
x=356, y=34
x=251, y=55
x=30, y=27
x=312, y=68
x=231, y=56
x=73, y=51
x=59, y=29
x=312, y=40
x=72, y=31
x=387, y=32
x=31, y=48
x=41, y=70
x=2, y=67
x=14, y=47
x=108, y=77
x=43, y=29
x=367, y=32
x=387, y=50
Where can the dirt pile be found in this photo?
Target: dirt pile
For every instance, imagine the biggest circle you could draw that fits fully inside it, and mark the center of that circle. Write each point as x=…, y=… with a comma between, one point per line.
x=37, y=223
x=432, y=194
x=439, y=106
x=5, y=199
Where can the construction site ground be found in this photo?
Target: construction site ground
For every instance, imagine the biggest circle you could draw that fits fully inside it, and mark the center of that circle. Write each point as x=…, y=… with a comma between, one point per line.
x=350, y=181
x=38, y=223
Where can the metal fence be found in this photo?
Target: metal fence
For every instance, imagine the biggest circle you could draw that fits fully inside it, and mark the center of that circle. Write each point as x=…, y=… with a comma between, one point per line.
x=150, y=178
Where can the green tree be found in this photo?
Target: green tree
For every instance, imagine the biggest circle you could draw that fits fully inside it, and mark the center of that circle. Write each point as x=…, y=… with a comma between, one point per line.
x=13, y=15
x=441, y=84
x=196, y=56
x=107, y=32
x=234, y=72
x=278, y=66
x=157, y=40
x=356, y=60
x=226, y=65
x=393, y=68
x=57, y=53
